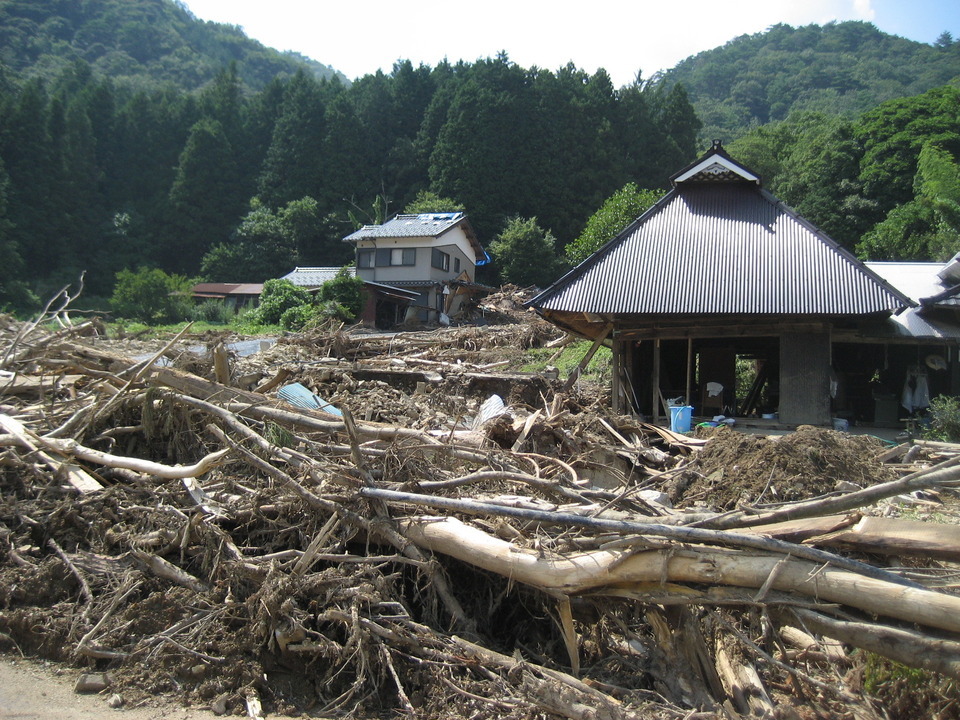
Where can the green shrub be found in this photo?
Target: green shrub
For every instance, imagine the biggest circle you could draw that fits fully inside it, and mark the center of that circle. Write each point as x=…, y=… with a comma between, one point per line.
x=214, y=311
x=277, y=297
x=151, y=296
x=247, y=322
x=945, y=418
x=599, y=369
x=525, y=253
x=297, y=317
x=332, y=310
x=346, y=291
x=618, y=211
x=905, y=691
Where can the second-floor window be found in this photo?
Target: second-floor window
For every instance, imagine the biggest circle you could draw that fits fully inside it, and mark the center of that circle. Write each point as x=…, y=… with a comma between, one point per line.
x=396, y=256
x=440, y=260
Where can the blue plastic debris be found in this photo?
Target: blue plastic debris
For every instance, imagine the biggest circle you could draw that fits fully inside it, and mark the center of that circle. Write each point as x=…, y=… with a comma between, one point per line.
x=297, y=394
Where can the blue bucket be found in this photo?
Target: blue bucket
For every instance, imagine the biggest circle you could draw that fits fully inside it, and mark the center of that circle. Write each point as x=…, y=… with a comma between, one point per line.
x=680, y=416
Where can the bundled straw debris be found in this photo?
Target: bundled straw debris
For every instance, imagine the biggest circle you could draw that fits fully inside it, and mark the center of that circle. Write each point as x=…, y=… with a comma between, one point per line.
x=417, y=547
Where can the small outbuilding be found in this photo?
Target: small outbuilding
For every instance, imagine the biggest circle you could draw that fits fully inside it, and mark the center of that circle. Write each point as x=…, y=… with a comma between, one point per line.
x=234, y=295
x=384, y=306
x=723, y=297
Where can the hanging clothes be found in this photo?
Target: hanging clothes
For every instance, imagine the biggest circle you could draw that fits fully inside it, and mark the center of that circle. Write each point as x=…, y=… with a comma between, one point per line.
x=916, y=390
x=921, y=392
x=906, y=397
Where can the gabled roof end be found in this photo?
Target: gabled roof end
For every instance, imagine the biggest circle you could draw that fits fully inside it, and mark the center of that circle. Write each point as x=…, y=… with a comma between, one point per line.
x=715, y=166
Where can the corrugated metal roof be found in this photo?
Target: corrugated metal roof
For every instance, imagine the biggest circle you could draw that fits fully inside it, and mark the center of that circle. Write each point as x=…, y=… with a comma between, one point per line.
x=949, y=298
x=214, y=289
x=314, y=276
x=721, y=248
x=912, y=323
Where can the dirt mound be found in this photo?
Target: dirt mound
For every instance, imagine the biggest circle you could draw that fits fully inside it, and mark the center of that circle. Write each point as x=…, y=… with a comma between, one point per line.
x=736, y=469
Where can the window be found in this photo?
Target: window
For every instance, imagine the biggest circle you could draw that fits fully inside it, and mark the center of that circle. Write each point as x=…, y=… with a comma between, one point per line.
x=440, y=260
x=396, y=256
x=456, y=265
x=365, y=258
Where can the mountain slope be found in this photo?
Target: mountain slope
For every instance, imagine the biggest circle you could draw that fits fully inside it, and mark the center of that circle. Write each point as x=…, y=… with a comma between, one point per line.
x=839, y=68
x=143, y=41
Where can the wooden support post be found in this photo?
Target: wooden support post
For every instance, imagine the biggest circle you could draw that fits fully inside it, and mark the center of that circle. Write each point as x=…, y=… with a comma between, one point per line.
x=587, y=358
x=689, y=388
x=656, y=380
x=616, y=386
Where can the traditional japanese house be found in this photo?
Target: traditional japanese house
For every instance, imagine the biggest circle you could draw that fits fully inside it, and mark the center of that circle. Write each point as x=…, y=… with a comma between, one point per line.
x=723, y=296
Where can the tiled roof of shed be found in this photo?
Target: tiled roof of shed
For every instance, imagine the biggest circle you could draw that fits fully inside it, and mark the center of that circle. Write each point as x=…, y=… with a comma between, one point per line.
x=314, y=276
x=720, y=247
x=224, y=289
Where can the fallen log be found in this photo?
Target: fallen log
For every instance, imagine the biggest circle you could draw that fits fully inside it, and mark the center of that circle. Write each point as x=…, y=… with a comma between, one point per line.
x=895, y=536
x=681, y=533
x=74, y=449
x=593, y=571
x=902, y=646
x=72, y=473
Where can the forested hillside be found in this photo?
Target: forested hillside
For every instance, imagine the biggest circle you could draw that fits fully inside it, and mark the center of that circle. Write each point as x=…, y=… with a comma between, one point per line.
x=839, y=69
x=100, y=175
x=886, y=184
x=140, y=42
x=219, y=178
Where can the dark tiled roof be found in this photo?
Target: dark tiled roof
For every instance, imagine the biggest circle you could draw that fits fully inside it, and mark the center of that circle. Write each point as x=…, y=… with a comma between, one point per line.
x=426, y=225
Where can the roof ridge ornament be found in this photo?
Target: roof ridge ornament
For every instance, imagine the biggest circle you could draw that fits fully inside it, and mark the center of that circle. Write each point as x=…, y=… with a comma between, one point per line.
x=716, y=166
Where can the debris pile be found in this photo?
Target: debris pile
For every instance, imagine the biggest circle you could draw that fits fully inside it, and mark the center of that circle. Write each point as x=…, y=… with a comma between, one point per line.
x=432, y=551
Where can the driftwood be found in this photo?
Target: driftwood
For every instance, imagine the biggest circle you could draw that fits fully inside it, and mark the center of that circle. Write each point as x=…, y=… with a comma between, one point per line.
x=300, y=533
x=591, y=572
x=895, y=536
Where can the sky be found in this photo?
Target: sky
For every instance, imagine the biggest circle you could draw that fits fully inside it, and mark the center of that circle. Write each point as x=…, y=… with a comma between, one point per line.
x=626, y=37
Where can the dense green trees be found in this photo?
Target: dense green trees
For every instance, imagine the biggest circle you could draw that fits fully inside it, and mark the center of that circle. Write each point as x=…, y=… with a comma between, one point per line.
x=144, y=41
x=267, y=243
x=122, y=148
x=106, y=176
x=883, y=184
x=151, y=296
x=525, y=253
x=617, y=211
x=928, y=226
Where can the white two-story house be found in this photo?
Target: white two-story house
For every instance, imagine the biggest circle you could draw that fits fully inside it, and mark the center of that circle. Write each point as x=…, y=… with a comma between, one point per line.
x=435, y=254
